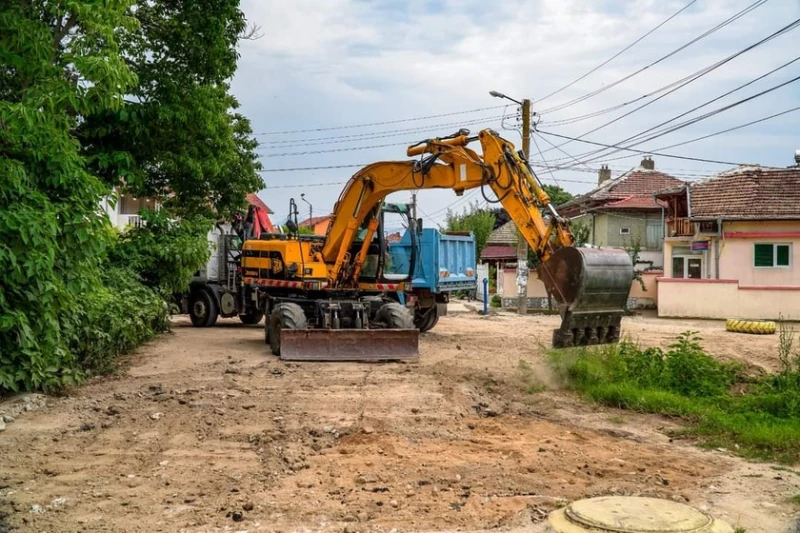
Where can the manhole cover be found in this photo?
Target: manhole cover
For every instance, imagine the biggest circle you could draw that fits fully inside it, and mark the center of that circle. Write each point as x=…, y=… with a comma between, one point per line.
x=619, y=514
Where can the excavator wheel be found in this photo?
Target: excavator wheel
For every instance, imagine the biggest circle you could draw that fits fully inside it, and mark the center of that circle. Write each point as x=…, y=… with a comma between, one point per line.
x=284, y=316
x=395, y=316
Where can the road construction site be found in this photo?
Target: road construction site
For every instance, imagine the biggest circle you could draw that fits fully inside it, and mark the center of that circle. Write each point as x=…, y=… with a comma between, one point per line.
x=205, y=430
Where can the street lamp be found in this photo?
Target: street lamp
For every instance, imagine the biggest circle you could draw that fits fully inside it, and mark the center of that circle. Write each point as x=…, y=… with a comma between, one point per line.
x=310, y=208
x=522, y=244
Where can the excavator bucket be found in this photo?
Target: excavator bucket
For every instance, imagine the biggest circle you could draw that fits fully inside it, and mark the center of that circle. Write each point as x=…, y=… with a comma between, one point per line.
x=362, y=345
x=591, y=287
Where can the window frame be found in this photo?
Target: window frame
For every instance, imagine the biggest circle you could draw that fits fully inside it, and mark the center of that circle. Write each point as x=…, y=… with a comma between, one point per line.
x=625, y=232
x=685, y=259
x=775, y=246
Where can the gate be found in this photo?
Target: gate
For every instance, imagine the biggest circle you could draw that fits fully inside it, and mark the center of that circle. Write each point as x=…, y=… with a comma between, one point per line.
x=483, y=273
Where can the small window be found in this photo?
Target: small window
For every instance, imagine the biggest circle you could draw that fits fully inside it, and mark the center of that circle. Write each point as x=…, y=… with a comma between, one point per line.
x=771, y=255
x=624, y=231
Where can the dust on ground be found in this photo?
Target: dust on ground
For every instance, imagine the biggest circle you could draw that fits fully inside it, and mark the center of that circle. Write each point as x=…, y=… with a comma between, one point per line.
x=208, y=432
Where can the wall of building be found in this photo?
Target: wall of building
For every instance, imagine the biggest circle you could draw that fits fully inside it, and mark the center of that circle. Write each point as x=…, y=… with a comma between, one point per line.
x=736, y=253
x=736, y=258
x=722, y=299
x=614, y=222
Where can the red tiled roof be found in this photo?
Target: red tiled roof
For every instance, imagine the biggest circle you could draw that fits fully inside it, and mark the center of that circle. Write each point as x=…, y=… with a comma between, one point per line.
x=498, y=252
x=253, y=199
x=748, y=192
x=633, y=190
x=314, y=221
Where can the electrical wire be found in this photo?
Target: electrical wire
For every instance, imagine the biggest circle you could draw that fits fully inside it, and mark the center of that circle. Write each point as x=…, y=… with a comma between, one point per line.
x=609, y=60
x=533, y=138
x=730, y=20
x=338, y=139
x=695, y=120
x=789, y=27
x=383, y=123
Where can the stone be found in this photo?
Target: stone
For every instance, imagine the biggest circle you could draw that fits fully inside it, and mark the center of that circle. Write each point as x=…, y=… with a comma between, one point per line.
x=472, y=425
x=394, y=503
x=249, y=406
x=112, y=410
x=156, y=416
x=2, y=425
x=8, y=419
x=248, y=506
x=368, y=430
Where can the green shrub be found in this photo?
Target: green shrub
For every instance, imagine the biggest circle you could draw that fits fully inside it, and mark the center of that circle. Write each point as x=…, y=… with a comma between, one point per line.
x=763, y=421
x=496, y=301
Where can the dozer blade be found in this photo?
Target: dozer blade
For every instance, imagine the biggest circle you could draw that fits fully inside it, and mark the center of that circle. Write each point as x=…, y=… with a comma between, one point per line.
x=591, y=287
x=370, y=345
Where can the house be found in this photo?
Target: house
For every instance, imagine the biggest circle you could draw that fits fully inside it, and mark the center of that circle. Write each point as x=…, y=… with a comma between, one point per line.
x=123, y=209
x=732, y=245
x=318, y=224
x=622, y=212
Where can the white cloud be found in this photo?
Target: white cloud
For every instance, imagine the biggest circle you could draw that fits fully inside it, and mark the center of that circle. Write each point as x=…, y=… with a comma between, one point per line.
x=341, y=62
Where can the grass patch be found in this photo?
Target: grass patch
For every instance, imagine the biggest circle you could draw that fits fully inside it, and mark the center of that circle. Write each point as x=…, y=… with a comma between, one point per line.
x=795, y=500
x=756, y=417
x=616, y=419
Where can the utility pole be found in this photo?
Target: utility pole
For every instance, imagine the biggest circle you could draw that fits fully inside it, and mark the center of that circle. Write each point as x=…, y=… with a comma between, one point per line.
x=310, y=208
x=522, y=244
x=413, y=221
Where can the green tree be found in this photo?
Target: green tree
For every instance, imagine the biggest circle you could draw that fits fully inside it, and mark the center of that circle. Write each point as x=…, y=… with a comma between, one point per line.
x=479, y=221
x=558, y=196
x=179, y=138
x=59, y=62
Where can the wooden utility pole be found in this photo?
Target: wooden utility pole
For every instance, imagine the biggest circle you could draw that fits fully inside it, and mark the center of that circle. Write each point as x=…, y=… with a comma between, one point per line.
x=522, y=244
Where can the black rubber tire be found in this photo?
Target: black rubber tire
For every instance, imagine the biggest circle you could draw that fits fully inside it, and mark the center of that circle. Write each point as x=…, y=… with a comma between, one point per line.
x=253, y=317
x=426, y=320
x=284, y=315
x=203, y=309
x=395, y=316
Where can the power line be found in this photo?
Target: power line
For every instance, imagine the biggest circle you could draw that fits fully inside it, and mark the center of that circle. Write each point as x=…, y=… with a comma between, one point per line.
x=337, y=139
x=369, y=124
x=789, y=27
x=609, y=60
x=687, y=158
x=716, y=28
x=699, y=118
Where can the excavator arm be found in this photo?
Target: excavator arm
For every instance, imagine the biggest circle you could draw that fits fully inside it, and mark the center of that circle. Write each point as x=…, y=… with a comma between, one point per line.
x=591, y=286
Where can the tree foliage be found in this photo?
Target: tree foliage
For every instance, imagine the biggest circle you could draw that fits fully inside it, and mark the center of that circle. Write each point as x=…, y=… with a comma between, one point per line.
x=475, y=219
x=179, y=136
x=90, y=92
x=58, y=62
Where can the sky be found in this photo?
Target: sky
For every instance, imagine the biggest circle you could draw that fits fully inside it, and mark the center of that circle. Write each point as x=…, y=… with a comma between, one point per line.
x=336, y=65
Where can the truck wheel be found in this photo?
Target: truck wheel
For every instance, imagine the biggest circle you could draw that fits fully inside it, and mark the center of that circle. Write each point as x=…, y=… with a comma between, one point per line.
x=253, y=317
x=426, y=320
x=284, y=316
x=395, y=316
x=203, y=309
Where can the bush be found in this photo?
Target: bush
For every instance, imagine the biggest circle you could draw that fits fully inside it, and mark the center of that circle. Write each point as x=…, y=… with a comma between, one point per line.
x=685, y=381
x=496, y=301
x=117, y=317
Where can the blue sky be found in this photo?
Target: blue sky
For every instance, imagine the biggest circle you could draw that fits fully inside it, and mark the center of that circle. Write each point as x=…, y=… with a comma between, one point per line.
x=332, y=63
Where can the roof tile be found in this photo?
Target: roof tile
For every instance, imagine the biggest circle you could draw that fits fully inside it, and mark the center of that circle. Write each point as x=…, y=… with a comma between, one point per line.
x=748, y=192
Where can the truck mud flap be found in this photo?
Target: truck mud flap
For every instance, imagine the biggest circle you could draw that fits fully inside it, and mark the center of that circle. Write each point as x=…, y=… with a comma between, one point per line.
x=357, y=345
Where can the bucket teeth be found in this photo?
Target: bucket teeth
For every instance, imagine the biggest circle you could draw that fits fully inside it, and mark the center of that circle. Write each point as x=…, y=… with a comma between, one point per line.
x=587, y=330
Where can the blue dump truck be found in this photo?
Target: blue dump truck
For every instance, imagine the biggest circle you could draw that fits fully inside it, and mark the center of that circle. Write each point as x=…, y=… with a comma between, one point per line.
x=444, y=263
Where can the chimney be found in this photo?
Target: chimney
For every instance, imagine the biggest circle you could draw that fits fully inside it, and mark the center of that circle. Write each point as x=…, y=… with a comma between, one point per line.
x=603, y=175
x=797, y=157
x=648, y=163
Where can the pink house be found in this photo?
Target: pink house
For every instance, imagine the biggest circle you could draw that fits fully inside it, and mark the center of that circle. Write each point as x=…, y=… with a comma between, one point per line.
x=732, y=246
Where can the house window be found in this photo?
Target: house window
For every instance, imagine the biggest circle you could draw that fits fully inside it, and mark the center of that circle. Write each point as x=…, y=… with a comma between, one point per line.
x=771, y=255
x=624, y=230
x=687, y=267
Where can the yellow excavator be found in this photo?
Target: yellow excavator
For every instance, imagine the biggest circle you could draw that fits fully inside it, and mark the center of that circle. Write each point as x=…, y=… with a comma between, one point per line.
x=327, y=298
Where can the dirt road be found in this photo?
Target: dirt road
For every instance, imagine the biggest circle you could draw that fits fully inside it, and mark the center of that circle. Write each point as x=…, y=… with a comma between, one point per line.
x=207, y=432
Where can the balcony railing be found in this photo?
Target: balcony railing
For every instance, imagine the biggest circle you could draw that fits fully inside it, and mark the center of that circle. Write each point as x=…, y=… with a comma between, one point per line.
x=680, y=227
